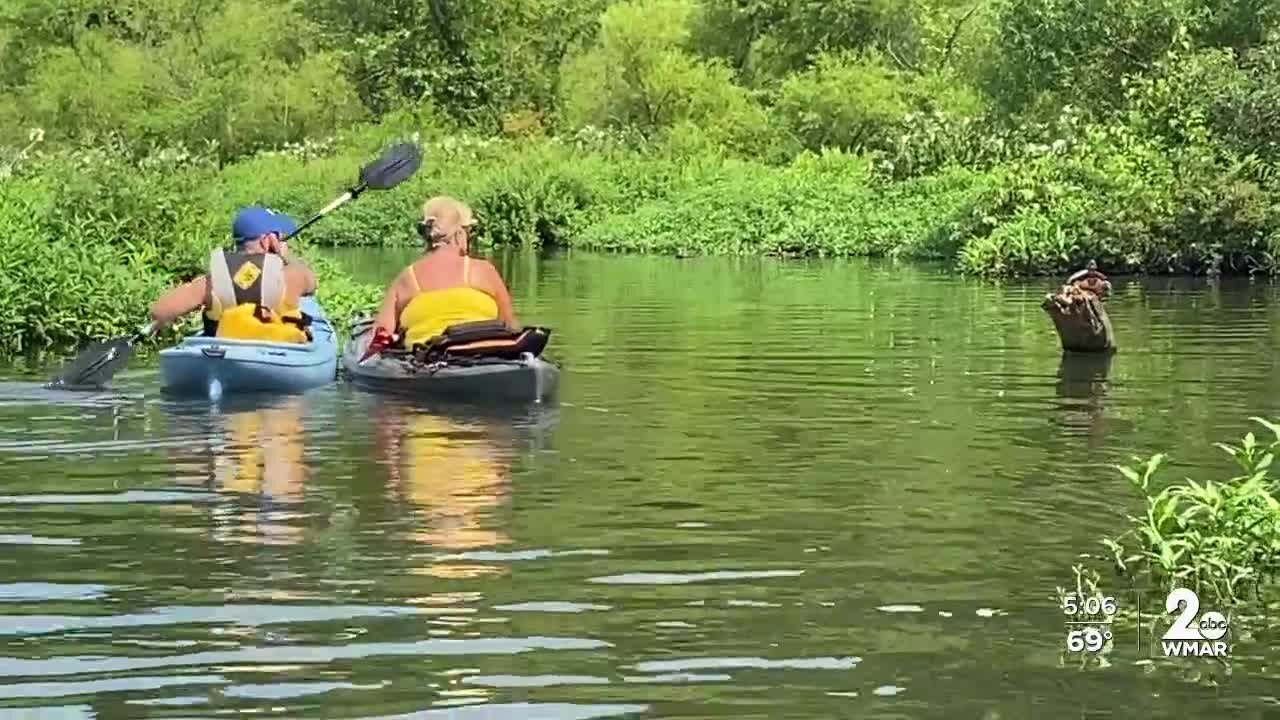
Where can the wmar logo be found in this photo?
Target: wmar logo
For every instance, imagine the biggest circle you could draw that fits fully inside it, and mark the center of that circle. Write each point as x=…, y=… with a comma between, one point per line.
x=1188, y=637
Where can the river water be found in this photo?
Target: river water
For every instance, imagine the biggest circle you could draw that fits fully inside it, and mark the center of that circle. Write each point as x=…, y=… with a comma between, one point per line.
x=770, y=489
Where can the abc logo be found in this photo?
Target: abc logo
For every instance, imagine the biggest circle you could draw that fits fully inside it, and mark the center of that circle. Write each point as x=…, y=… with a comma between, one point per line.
x=1212, y=625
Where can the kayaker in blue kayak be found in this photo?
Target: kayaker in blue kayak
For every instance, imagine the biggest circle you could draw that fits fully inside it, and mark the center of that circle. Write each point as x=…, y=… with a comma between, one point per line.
x=251, y=293
x=444, y=287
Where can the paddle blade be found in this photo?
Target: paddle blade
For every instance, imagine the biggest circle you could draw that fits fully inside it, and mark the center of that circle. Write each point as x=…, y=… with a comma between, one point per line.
x=95, y=365
x=396, y=165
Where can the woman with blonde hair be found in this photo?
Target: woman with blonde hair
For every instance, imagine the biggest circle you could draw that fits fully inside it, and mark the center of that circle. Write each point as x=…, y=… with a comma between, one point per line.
x=444, y=287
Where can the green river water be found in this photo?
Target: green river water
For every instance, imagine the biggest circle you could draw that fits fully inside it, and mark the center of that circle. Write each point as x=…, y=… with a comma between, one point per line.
x=769, y=490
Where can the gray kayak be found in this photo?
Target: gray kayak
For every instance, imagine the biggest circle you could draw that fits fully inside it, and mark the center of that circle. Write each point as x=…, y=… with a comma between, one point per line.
x=528, y=378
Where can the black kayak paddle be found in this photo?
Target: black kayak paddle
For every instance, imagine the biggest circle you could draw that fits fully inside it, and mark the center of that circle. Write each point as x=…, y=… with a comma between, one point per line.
x=96, y=364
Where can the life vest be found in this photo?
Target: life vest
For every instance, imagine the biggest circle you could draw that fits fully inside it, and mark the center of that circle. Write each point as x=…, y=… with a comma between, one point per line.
x=429, y=313
x=247, y=300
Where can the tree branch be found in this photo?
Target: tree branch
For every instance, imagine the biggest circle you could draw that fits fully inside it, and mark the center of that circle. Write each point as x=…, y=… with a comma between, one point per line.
x=955, y=33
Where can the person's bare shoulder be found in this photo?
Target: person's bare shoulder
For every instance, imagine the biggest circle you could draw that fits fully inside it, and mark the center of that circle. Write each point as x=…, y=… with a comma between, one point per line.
x=406, y=280
x=300, y=279
x=489, y=272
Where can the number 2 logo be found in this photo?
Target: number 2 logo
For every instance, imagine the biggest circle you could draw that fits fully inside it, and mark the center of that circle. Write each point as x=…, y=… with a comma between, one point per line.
x=1212, y=625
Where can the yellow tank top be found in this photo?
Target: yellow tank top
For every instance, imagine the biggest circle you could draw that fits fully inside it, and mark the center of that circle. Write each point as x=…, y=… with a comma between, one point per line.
x=430, y=312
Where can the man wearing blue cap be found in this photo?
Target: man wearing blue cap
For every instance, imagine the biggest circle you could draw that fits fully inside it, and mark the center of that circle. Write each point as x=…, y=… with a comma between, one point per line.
x=251, y=293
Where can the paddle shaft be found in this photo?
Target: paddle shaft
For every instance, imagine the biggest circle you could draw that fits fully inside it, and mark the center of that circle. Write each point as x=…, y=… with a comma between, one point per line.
x=338, y=202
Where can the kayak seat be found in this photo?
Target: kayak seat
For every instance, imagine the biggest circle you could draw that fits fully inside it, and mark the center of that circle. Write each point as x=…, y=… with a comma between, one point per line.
x=484, y=338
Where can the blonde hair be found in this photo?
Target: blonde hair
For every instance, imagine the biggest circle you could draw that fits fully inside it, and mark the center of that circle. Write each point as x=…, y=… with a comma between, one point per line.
x=447, y=219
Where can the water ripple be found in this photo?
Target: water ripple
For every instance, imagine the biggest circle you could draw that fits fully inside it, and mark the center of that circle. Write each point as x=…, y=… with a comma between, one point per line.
x=290, y=654
x=29, y=591
x=757, y=468
x=129, y=496
x=283, y=691
x=552, y=607
x=248, y=615
x=686, y=578
x=714, y=663
x=33, y=540
x=93, y=687
x=509, y=681
x=522, y=711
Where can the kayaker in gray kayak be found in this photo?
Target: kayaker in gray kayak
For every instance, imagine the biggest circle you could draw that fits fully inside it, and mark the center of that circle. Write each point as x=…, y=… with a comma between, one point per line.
x=442, y=288
x=251, y=293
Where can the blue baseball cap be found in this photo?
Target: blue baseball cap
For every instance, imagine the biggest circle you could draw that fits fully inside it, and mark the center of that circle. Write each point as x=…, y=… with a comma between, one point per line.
x=254, y=222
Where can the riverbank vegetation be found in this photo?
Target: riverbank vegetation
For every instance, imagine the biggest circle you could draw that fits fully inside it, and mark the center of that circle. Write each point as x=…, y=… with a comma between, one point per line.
x=1218, y=538
x=1005, y=137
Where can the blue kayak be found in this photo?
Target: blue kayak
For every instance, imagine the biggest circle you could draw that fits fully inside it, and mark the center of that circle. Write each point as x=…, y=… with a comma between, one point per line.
x=212, y=366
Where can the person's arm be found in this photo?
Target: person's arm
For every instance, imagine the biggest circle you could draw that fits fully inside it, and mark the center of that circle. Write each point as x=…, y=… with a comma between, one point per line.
x=184, y=299
x=303, y=278
x=384, y=324
x=506, y=312
x=386, y=317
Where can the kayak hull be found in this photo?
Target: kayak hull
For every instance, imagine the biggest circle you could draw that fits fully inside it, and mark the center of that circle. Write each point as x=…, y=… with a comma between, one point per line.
x=529, y=379
x=213, y=367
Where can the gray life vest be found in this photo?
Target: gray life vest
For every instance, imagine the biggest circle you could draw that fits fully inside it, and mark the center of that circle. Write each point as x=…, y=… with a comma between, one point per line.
x=241, y=278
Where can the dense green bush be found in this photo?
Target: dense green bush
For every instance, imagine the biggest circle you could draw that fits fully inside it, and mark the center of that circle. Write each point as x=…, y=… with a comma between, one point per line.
x=1093, y=44
x=819, y=205
x=844, y=101
x=638, y=74
x=240, y=77
x=1133, y=204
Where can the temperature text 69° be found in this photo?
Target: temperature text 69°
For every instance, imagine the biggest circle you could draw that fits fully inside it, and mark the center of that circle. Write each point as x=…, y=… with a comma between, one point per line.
x=1087, y=640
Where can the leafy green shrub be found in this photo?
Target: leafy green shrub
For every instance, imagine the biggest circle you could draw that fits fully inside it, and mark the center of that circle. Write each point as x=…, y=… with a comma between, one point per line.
x=1093, y=45
x=58, y=288
x=1129, y=202
x=843, y=101
x=918, y=122
x=241, y=76
x=1235, y=101
x=639, y=75
x=769, y=39
x=1182, y=95
x=1221, y=539
x=819, y=205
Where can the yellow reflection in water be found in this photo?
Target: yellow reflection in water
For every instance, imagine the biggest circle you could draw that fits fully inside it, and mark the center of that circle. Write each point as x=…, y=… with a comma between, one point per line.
x=454, y=476
x=263, y=457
